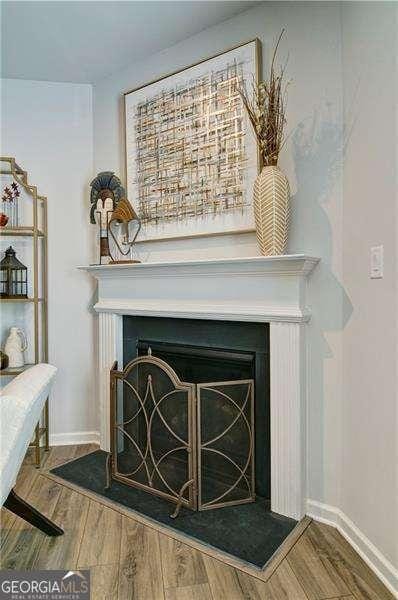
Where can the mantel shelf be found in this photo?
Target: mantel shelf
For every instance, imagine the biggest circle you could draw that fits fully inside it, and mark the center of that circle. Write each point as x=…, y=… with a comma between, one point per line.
x=259, y=288
x=293, y=264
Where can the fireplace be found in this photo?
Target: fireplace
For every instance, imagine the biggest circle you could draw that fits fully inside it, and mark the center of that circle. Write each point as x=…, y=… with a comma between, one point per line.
x=186, y=408
x=269, y=291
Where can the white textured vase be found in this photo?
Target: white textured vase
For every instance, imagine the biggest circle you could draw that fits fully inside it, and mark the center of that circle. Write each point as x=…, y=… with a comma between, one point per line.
x=271, y=205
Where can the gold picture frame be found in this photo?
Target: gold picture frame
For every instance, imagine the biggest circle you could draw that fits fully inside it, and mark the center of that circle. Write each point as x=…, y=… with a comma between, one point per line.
x=195, y=209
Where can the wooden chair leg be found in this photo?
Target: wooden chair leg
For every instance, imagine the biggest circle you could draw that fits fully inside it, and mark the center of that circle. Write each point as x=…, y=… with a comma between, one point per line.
x=24, y=510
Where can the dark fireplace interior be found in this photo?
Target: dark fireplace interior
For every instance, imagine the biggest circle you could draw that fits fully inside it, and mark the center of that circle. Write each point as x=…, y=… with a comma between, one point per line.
x=202, y=352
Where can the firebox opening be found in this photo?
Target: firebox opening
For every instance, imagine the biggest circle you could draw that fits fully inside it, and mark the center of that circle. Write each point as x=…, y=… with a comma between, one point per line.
x=203, y=352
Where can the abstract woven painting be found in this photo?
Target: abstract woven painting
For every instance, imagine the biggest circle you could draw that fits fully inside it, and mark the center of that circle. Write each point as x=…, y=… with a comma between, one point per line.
x=191, y=157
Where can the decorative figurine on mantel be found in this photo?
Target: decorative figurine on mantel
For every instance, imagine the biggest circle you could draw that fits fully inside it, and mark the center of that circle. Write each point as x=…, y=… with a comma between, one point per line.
x=124, y=226
x=106, y=192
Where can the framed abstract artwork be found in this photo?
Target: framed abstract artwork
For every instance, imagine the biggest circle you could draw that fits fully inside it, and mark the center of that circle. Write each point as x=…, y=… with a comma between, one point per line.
x=191, y=155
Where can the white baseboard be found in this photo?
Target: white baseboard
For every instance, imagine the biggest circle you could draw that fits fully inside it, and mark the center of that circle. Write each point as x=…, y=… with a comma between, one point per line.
x=76, y=437
x=381, y=566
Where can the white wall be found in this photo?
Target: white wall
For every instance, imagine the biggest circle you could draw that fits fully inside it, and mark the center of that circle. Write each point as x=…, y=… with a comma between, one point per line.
x=47, y=127
x=312, y=161
x=370, y=402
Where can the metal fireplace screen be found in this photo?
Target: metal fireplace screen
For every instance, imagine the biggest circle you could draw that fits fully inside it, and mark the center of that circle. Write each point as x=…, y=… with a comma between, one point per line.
x=189, y=443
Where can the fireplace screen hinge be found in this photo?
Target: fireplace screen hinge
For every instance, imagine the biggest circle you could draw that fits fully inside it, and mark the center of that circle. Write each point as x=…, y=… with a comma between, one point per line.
x=189, y=443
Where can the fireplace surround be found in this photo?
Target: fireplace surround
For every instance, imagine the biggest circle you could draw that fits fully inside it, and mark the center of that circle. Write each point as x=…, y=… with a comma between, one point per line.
x=256, y=289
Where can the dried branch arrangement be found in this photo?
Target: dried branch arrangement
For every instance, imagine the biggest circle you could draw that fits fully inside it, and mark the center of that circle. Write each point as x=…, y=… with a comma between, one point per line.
x=266, y=108
x=9, y=195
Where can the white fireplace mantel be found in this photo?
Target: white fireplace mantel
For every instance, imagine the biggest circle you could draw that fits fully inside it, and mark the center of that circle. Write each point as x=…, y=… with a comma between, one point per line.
x=259, y=289
x=246, y=289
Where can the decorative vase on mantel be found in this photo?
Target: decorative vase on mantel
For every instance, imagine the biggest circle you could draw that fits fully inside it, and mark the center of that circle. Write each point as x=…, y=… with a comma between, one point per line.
x=265, y=106
x=271, y=204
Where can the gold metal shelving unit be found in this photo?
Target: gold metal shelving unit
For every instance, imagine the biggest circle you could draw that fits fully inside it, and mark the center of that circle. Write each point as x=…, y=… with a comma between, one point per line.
x=38, y=234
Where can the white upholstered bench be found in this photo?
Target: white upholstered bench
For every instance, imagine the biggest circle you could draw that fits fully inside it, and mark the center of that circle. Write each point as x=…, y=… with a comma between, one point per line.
x=21, y=404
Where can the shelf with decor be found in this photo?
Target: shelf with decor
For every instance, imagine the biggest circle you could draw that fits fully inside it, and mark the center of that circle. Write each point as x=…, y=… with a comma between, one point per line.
x=23, y=285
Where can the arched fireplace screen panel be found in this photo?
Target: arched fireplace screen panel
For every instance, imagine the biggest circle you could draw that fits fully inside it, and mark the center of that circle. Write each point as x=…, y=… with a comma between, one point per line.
x=190, y=444
x=153, y=445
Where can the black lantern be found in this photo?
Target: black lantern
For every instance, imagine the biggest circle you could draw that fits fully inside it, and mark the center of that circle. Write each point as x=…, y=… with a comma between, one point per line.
x=13, y=276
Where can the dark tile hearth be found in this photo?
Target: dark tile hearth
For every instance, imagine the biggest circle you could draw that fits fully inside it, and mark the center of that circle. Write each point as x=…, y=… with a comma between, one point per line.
x=249, y=532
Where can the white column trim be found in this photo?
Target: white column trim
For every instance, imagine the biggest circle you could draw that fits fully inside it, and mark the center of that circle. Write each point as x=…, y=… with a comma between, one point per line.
x=287, y=372
x=110, y=349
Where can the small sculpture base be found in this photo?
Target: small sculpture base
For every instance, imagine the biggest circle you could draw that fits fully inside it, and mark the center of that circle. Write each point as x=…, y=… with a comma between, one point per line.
x=123, y=262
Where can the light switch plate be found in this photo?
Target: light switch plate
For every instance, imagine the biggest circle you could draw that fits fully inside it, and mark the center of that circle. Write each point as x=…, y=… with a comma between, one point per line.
x=376, y=262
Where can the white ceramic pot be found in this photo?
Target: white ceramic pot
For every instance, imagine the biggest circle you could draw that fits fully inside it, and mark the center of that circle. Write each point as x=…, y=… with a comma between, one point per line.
x=15, y=346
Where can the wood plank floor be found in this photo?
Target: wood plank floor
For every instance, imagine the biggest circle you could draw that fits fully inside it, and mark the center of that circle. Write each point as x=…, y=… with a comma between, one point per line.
x=129, y=560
